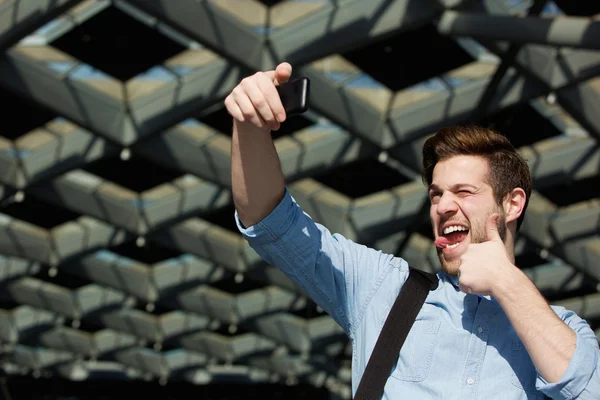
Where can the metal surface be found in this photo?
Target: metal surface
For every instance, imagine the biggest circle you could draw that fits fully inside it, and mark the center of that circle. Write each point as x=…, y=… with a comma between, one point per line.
x=119, y=253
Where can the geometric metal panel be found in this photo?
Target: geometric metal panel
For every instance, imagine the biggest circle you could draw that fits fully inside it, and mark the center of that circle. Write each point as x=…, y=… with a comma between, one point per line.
x=119, y=252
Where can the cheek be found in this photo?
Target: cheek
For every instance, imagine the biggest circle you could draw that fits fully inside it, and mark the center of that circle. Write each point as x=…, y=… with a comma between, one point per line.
x=472, y=207
x=432, y=213
x=477, y=212
x=472, y=213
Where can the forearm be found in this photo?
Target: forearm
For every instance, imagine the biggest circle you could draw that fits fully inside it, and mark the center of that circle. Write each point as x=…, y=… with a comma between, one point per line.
x=548, y=340
x=256, y=176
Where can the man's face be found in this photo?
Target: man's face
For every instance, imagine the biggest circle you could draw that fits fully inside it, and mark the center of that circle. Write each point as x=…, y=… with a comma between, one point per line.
x=461, y=202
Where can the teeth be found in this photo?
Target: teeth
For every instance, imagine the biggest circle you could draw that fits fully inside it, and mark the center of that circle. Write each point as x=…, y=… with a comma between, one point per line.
x=451, y=246
x=454, y=228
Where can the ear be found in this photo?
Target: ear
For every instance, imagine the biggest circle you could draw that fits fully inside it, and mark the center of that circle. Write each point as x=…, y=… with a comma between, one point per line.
x=514, y=203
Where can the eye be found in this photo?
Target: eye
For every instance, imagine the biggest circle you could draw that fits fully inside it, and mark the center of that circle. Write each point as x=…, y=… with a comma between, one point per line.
x=434, y=197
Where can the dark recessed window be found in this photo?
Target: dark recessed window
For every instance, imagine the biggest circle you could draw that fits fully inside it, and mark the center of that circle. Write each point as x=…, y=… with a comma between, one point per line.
x=582, y=8
x=233, y=285
x=573, y=192
x=291, y=125
x=20, y=116
x=361, y=178
x=409, y=57
x=522, y=124
x=270, y=3
x=223, y=217
x=38, y=212
x=137, y=174
x=150, y=253
x=117, y=44
x=64, y=279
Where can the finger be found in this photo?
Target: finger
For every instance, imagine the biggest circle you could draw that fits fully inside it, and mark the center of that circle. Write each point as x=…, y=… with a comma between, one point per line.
x=273, y=100
x=465, y=289
x=258, y=100
x=492, y=227
x=247, y=108
x=233, y=109
x=280, y=74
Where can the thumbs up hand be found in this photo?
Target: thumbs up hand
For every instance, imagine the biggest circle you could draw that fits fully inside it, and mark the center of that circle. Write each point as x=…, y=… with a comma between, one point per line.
x=484, y=265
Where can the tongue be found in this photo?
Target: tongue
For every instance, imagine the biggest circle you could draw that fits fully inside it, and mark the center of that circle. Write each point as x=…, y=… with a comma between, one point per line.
x=441, y=242
x=450, y=238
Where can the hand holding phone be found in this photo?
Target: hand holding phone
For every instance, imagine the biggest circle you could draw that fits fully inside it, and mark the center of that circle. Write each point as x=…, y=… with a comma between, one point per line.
x=295, y=95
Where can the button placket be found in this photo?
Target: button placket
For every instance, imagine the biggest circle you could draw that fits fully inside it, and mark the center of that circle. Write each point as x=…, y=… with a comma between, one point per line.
x=477, y=347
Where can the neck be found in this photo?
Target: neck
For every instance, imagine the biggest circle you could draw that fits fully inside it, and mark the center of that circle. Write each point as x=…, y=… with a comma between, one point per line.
x=509, y=243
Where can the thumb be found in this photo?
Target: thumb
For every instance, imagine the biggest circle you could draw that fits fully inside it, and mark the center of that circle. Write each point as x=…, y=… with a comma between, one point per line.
x=492, y=227
x=282, y=73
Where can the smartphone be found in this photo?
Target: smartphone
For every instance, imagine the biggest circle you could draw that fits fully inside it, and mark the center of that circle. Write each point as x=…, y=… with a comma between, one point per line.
x=294, y=95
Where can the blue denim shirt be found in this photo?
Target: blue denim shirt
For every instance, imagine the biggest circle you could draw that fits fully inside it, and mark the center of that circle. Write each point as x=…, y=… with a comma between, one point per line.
x=458, y=348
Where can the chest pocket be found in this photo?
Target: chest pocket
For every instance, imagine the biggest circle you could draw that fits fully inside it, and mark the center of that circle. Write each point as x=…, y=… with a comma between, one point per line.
x=416, y=354
x=523, y=374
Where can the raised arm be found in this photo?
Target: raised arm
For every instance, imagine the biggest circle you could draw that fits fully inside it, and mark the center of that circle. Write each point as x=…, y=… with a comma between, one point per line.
x=257, y=179
x=336, y=273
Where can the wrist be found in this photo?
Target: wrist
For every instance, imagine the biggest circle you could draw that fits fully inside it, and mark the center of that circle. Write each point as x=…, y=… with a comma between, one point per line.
x=507, y=282
x=248, y=128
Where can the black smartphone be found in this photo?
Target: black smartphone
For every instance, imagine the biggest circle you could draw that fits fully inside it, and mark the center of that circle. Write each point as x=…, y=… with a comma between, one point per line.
x=294, y=95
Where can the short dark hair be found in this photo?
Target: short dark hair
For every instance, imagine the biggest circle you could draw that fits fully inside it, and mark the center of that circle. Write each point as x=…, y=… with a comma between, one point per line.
x=507, y=168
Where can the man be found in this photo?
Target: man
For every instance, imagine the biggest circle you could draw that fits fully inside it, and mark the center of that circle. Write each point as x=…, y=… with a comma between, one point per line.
x=485, y=332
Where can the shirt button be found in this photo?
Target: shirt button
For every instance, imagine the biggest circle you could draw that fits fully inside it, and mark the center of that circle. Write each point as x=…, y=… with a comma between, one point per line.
x=470, y=381
x=480, y=329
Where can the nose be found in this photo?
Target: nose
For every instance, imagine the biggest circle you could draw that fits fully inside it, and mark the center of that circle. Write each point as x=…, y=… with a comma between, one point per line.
x=447, y=204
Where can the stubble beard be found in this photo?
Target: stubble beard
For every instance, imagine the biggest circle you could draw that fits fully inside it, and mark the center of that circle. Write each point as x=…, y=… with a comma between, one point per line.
x=478, y=234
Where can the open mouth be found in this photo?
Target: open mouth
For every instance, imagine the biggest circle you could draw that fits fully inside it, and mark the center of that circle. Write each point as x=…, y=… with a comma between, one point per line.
x=451, y=236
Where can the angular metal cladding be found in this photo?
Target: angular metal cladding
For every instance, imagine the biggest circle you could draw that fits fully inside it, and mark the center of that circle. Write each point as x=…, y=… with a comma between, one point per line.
x=148, y=278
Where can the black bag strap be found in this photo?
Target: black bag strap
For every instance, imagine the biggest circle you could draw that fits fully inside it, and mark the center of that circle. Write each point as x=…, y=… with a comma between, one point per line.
x=393, y=334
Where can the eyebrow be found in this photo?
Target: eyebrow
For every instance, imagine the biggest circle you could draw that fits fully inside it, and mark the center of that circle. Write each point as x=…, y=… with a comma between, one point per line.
x=434, y=187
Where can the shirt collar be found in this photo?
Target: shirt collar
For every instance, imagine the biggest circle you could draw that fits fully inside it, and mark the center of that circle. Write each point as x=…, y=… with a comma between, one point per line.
x=454, y=280
x=451, y=278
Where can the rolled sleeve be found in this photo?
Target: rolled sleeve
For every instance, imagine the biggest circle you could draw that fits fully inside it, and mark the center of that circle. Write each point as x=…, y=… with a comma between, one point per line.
x=274, y=225
x=581, y=380
x=327, y=267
